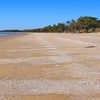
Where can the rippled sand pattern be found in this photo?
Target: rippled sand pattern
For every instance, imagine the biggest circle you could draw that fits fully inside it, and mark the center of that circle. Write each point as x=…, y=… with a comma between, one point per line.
x=50, y=66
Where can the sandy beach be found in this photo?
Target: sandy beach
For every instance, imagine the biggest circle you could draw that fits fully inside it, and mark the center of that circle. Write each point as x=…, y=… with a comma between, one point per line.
x=50, y=66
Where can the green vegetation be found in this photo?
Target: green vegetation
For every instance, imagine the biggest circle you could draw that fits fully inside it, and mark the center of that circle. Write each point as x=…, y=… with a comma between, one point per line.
x=81, y=25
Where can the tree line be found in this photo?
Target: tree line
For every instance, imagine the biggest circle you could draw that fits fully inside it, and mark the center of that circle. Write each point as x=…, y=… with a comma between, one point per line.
x=85, y=24
x=82, y=24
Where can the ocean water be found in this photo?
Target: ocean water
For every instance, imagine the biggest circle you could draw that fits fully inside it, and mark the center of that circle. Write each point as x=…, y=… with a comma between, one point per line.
x=8, y=34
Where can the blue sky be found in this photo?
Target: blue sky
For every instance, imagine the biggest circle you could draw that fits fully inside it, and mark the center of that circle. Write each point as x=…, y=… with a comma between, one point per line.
x=21, y=14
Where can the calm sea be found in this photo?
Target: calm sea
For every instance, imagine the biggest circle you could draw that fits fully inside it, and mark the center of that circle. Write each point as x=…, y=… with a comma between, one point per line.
x=8, y=34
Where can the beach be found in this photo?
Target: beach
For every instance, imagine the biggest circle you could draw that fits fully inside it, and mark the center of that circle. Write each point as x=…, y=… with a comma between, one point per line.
x=50, y=66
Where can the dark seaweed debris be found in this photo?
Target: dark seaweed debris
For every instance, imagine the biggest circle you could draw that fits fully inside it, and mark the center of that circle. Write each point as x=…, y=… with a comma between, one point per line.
x=90, y=47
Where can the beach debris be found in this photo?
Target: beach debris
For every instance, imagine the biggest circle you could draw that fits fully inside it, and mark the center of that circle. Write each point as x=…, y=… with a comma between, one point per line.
x=77, y=53
x=90, y=47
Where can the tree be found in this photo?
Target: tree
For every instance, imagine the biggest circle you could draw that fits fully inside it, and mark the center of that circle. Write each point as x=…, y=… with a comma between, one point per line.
x=87, y=24
x=61, y=27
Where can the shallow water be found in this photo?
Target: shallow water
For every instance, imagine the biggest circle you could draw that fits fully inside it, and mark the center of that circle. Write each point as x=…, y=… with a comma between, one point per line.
x=8, y=34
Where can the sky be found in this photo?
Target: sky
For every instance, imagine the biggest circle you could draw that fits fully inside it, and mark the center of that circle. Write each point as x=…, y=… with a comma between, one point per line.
x=27, y=14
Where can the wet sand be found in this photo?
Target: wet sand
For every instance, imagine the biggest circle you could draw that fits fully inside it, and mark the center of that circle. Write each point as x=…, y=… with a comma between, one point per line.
x=50, y=66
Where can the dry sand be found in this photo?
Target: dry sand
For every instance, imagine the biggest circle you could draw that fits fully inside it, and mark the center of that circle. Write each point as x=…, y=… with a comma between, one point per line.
x=50, y=66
